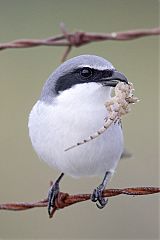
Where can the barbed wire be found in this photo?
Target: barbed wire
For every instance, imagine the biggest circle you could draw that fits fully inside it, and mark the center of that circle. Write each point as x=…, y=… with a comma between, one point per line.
x=79, y=38
x=64, y=199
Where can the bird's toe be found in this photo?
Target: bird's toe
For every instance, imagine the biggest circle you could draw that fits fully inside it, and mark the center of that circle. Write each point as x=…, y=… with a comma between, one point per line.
x=96, y=196
x=52, y=195
x=102, y=202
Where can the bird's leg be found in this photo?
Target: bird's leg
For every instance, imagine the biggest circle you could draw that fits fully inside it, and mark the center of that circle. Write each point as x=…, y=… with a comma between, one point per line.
x=97, y=193
x=53, y=193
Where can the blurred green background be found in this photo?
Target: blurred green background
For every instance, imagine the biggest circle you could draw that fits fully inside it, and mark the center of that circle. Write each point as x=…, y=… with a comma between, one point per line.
x=23, y=177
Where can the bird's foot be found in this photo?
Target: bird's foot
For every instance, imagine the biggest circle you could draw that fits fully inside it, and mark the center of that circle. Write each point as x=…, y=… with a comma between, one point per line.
x=52, y=195
x=97, y=196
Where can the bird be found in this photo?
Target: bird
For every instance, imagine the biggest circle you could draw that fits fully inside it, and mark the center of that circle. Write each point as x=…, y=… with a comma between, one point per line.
x=71, y=107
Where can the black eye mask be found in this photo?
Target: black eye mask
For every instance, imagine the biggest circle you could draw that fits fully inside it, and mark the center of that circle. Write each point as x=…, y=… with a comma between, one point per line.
x=80, y=76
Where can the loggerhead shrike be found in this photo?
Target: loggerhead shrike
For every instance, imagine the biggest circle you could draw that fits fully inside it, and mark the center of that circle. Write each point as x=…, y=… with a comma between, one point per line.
x=70, y=108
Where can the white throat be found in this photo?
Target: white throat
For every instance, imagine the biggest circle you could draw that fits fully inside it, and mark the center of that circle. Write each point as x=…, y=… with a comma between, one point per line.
x=84, y=95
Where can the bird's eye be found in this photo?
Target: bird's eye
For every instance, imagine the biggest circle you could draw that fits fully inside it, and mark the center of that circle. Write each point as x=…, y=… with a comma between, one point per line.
x=86, y=72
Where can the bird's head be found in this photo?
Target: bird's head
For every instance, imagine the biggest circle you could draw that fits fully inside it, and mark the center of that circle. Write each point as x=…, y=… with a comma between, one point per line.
x=81, y=70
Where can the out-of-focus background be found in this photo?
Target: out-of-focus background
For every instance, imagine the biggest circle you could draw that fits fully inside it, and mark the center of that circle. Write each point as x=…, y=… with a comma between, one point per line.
x=23, y=177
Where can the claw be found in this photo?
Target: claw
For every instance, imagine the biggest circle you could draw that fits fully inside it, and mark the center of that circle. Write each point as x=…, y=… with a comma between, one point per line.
x=94, y=196
x=52, y=195
x=98, y=192
x=102, y=202
x=97, y=196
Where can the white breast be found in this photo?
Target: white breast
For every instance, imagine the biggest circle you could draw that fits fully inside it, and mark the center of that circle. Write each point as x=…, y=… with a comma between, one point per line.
x=74, y=115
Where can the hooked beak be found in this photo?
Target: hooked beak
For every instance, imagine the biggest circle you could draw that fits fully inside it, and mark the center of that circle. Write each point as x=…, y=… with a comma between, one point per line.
x=114, y=79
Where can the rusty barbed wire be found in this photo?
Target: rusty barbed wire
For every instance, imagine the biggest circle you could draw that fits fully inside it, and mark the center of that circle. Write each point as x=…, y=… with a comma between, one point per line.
x=65, y=200
x=79, y=38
